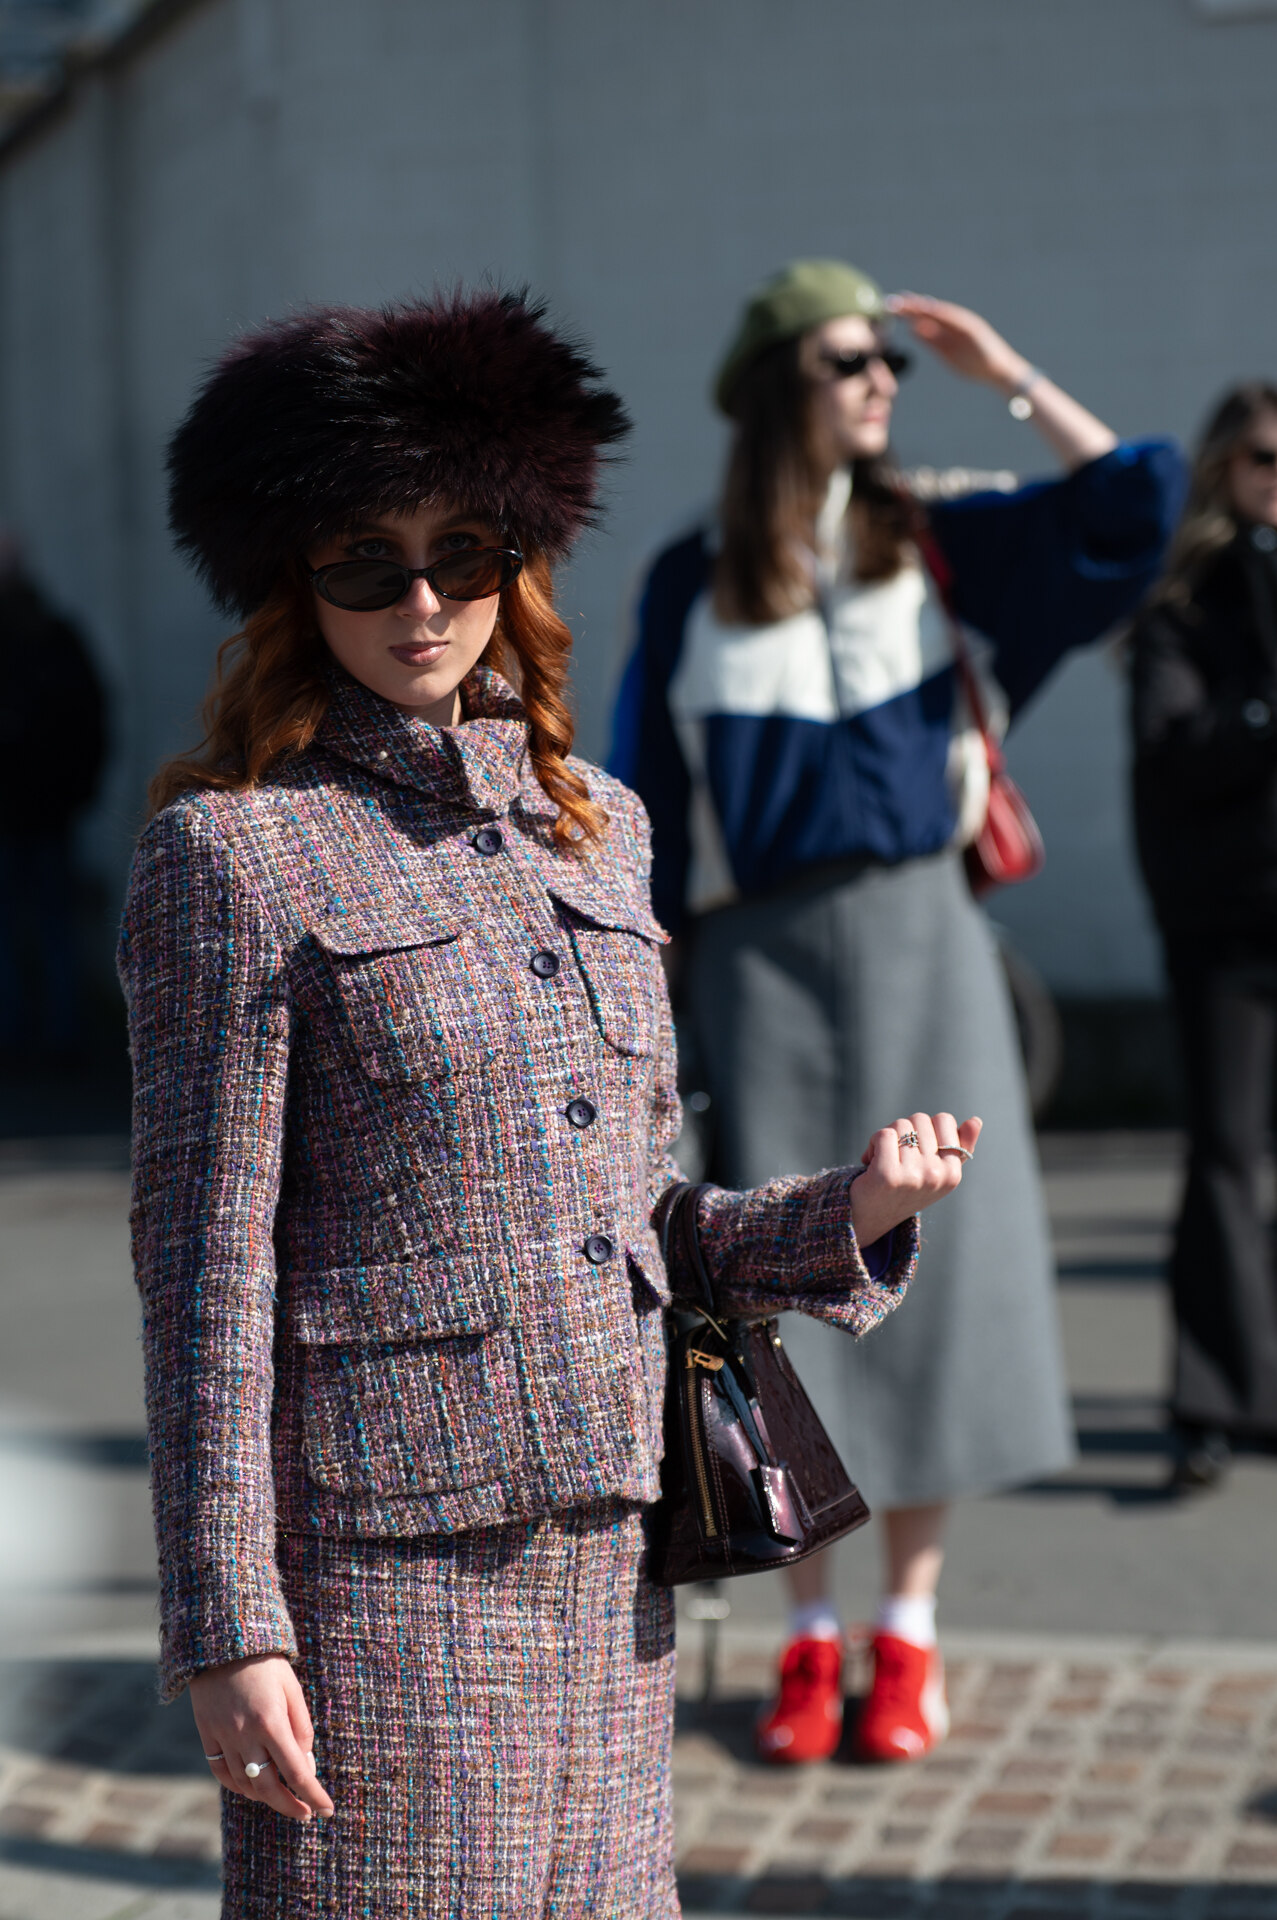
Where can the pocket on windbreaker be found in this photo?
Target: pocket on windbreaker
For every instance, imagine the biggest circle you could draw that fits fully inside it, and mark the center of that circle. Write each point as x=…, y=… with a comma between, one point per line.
x=405, y=990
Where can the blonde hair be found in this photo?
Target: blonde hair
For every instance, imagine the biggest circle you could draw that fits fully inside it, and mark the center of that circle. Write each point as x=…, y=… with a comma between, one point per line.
x=1209, y=521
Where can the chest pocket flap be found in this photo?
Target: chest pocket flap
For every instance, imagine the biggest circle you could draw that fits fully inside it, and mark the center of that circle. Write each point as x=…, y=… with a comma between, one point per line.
x=401, y=972
x=616, y=939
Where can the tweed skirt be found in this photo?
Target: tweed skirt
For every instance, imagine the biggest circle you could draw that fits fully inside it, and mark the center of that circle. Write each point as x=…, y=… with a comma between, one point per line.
x=837, y=1005
x=493, y=1720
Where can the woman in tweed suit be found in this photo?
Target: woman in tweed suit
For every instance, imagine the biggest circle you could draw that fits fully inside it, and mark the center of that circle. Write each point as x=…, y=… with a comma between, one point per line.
x=404, y=1099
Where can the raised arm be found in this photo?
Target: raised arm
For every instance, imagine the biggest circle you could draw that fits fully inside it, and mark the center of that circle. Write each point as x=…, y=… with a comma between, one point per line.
x=973, y=349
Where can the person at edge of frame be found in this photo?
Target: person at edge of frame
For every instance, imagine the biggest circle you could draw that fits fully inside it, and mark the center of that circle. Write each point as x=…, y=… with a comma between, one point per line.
x=791, y=718
x=1203, y=658
x=50, y=691
x=404, y=1097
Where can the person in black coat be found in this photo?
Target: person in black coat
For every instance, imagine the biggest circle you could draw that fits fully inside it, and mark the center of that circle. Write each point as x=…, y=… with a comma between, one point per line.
x=52, y=749
x=1204, y=711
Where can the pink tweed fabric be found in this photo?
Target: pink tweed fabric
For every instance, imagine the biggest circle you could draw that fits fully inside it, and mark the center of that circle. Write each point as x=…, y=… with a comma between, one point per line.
x=493, y=1720
x=404, y=1097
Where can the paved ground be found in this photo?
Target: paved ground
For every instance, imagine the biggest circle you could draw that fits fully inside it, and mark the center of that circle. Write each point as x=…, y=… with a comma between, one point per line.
x=1113, y=1660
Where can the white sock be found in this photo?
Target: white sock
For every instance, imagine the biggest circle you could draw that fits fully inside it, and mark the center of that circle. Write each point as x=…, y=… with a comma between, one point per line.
x=815, y=1621
x=908, y=1616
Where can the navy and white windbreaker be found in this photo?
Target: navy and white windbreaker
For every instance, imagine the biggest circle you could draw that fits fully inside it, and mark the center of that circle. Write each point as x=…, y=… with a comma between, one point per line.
x=828, y=736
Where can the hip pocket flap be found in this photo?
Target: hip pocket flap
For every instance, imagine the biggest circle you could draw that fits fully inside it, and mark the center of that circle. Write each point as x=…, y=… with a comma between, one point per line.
x=412, y=1301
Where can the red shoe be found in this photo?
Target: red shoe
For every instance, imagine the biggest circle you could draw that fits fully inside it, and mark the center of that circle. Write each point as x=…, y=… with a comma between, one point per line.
x=906, y=1713
x=805, y=1723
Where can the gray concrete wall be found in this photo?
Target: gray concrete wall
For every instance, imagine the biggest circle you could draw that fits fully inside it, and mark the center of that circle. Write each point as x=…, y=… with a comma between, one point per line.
x=1097, y=178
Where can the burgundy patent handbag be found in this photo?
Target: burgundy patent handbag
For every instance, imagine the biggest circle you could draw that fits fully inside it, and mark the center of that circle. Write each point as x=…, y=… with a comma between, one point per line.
x=750, y=1480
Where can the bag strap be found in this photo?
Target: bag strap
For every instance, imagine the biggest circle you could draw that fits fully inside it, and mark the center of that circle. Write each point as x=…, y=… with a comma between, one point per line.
x=677, y=1225
x=937, y=565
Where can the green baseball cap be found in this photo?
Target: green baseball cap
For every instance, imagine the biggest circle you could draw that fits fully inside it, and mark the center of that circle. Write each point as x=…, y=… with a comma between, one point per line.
x=804, y=294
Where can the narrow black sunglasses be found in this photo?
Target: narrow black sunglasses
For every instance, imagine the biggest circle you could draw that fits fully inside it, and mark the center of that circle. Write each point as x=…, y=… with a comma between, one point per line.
x=1262, y=457
x=845, y=366
x=369, y=586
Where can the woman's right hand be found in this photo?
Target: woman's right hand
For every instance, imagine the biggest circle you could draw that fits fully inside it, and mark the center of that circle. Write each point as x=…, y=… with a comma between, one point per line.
x=253, y=1711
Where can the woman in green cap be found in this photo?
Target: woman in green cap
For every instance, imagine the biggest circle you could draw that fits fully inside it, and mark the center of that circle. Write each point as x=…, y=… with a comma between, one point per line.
x=792, y=717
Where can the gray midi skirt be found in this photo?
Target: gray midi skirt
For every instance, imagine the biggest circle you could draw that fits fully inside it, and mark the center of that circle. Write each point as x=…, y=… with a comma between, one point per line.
x=834, y=1006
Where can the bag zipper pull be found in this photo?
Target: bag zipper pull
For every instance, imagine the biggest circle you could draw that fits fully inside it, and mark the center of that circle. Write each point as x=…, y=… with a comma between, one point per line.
x=710, y=1361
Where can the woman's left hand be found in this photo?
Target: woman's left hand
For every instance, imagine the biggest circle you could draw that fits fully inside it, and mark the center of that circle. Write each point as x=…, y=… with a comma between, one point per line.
x=965, y=342
x=909, y=1166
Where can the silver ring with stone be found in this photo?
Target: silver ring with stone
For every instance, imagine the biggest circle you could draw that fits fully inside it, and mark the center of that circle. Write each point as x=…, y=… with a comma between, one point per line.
x=909, y=1139
x=964, y=1153
x=254, y=1767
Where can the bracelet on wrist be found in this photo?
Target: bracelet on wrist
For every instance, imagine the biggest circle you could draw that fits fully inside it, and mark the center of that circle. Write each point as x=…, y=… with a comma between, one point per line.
x=1019, y=403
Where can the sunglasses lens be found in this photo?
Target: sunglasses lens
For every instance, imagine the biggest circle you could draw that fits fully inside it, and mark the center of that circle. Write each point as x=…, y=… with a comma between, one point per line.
x=1263, y=456
x=897, y=362
x=475, y=575
x=364, y=586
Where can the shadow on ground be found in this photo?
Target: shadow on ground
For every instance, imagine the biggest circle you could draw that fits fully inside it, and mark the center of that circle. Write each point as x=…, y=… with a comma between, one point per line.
x=886, y=1897
x=100, y=1779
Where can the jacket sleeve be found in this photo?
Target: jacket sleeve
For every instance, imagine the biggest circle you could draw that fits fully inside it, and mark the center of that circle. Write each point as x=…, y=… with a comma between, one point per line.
x=1059, y=562
x=209, y=1036
x=788, y=1246
x=1217, y=743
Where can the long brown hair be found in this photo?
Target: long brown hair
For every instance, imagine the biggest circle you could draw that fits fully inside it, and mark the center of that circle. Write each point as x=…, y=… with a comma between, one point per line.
x=1209, y=521
x=771, y=496
x=271, y=691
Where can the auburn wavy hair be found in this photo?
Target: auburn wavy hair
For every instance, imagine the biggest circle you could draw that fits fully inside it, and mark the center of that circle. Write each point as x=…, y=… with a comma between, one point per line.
x=270, y=692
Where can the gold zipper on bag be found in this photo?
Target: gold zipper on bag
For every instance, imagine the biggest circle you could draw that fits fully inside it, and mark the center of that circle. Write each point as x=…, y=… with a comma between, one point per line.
x=695, y=1359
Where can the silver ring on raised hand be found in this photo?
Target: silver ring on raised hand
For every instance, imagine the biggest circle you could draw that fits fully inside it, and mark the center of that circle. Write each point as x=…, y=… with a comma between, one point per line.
x=214, y=1756
x=909, y=1139
x=254, y=1767
x=964, y=1153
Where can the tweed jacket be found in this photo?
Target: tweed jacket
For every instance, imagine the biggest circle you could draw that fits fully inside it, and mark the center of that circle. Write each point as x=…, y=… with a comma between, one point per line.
x=404, y=1097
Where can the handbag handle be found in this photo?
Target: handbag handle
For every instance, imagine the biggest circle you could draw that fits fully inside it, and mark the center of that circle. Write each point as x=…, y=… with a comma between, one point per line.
x=677, y=1216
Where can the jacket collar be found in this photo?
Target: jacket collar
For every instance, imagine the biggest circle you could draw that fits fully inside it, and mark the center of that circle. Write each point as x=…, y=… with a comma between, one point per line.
x=478, y=765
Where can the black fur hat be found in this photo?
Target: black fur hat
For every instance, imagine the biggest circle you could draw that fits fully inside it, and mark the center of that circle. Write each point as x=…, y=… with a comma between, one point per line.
x=312, y=421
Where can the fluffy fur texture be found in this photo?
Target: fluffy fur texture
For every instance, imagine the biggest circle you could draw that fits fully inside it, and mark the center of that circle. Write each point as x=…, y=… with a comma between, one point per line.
x=310, y=422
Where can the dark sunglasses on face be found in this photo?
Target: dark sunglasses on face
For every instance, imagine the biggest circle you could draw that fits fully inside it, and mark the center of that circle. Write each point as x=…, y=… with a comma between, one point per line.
x=1264, y=457
x=845, y=366
x=369, y=586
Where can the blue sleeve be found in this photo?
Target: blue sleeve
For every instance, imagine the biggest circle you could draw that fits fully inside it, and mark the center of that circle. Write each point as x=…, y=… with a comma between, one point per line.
x=1060, y=562
x=645, y=751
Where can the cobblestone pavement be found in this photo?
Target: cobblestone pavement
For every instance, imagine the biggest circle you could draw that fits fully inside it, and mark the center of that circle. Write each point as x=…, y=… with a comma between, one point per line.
x=1083, y=1777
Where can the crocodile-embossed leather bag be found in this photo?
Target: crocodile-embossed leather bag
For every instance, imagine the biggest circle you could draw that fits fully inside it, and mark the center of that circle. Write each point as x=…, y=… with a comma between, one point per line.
x=750, y=1480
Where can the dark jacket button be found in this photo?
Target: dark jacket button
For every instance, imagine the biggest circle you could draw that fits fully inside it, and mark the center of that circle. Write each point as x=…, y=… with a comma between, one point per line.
x=582, y=1113
x=488, y=840
x=598, y=1249
x=545, y=964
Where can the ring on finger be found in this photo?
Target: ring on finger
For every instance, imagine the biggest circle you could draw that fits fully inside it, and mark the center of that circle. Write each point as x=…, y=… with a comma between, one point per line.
x=909, y=1139
x=964, y=1153
x=210, y=1757
x=254, y=1767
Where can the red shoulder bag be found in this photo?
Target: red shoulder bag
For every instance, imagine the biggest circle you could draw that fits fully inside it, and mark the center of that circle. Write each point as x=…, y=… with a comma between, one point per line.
x=1008, y=848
